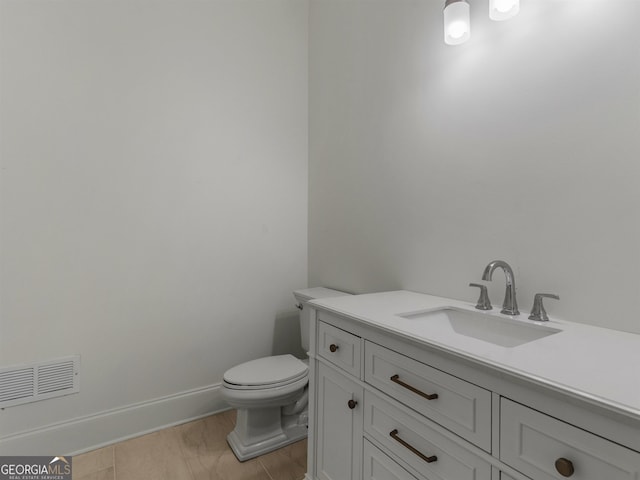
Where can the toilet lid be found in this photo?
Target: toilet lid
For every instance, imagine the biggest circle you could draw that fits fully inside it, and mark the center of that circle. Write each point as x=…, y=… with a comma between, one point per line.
x=279, y=369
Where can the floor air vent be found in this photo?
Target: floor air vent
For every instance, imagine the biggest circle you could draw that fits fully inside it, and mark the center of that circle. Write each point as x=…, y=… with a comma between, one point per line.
x=39, y=381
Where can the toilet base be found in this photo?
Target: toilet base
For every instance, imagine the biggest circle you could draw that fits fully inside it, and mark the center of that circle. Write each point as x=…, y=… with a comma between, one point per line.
x=248, y=442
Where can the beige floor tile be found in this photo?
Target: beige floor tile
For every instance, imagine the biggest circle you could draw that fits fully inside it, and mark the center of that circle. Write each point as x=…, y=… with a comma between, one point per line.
x=106, y=474
x=223, y=465
x=92, y=462
x=288, y=463
x=230, y=415
x=155, y=456
x=204, y=436
x=193, y=451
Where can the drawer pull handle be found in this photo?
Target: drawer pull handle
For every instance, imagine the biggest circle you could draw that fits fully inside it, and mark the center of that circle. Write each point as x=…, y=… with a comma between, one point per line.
x=394, y=435
x=428, y=396
x=352, y=404
x=564, y=467
x=333, y=347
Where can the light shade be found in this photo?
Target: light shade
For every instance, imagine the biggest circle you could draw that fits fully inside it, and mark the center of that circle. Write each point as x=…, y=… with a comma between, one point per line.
x=503, y=9
x=457, y=22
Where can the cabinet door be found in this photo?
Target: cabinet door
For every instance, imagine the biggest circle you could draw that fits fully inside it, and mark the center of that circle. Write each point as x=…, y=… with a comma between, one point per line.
x=545, y=448
x=339, y=436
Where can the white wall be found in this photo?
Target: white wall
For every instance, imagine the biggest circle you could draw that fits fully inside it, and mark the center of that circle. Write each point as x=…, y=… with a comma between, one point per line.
x=428, y=161
x=153, y=197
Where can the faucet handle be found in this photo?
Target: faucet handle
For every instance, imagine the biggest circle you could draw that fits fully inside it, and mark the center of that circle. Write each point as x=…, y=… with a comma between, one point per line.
x=483, y=302
x=538, y=313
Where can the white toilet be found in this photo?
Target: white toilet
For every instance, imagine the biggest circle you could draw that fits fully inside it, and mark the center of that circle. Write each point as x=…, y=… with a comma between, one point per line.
x=271, y=393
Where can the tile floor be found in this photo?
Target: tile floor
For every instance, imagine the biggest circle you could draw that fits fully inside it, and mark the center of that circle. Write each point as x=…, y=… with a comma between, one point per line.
x=193, y=451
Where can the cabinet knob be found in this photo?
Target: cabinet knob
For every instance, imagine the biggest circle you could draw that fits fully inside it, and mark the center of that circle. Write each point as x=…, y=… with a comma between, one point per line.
x=352, y=404
x=333, y=347
x=564, y=467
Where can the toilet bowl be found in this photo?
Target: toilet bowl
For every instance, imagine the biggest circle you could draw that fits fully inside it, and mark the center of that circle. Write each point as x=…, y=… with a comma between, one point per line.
x=259, y=390
x=271, y=394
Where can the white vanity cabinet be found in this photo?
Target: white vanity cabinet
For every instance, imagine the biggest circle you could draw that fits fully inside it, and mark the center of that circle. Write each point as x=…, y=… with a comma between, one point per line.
x=386, y=406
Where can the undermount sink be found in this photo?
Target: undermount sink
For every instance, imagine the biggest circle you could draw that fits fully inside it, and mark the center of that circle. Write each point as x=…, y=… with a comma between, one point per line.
x=505, y=332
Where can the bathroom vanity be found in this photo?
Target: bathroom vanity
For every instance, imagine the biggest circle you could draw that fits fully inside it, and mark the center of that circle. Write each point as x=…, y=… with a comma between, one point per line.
x=407, y=386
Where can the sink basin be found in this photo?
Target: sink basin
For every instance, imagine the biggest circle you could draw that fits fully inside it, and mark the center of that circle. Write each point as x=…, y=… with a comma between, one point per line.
x=505, y=332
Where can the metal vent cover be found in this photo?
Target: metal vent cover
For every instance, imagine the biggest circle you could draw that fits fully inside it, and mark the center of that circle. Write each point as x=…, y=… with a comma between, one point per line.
x=38, y=381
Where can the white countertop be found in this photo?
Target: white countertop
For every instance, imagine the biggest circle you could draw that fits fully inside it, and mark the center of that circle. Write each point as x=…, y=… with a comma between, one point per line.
x=599, y=365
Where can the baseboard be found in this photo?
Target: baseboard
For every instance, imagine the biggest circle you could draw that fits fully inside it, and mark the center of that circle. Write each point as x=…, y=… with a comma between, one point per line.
x=82, y=434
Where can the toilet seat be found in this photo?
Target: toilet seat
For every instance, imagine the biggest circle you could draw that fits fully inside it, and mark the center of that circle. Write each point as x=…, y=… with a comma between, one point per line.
x=266, y=373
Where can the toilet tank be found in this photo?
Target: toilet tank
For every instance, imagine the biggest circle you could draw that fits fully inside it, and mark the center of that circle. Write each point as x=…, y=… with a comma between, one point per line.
x=302, y=297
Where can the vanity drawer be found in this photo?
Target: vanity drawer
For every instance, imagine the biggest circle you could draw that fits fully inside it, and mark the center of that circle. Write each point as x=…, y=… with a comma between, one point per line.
x=534, y=443
x=419, y=444
x=340, y=348
x=378, y=466
x=460, y=406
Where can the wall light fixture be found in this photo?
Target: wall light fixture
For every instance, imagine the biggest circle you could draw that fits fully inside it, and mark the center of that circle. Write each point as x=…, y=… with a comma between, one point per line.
x=457, y=22
x=457, y=18
x=503, y=9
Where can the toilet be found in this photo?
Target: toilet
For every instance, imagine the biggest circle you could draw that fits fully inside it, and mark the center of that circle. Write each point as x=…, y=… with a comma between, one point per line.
x=271, y=394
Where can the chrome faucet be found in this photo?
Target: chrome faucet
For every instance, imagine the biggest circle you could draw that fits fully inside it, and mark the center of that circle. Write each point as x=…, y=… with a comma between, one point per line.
x=538, y=313
x=483, y=302
x=509, y=306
